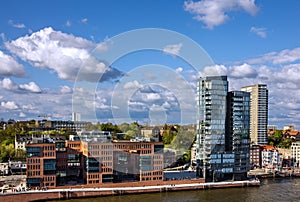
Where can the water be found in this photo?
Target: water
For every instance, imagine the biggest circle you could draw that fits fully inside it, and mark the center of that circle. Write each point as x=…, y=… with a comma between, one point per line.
x=287, y=189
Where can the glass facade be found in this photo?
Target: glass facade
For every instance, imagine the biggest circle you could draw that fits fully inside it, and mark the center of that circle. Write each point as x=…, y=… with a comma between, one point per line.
x=212, y=92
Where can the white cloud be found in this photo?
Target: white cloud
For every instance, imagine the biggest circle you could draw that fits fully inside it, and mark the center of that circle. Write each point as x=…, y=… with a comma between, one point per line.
x=16, y=25
x=260, y=31
x=9, y=85
x=242, y=71
x=11, y=105
x=2, y=36
x=216, y=70
x=68, y=23
x=62, y=53
x=22, y=115
x=132, y=84
x=215, y=12
x=173, y=49
x=66, y=89
x=152, y=96
x=31, y=87
x=179, y=70
x=284, y=56
x=10, y=67
x=84, y=20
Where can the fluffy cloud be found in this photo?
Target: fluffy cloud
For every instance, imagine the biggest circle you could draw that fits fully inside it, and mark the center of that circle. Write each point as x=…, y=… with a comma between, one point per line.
x=62, y=53
x=10, y=67
x=16, y=25
x=9, y=85
x=31, y=87
x=173, y=49
x=11, y=105
x=66, y=89
x=242, y=71
x=260, y=31
x=284, y=56
x=132, y=84
x=214, y=12
x=179, y=70
x=22, y=115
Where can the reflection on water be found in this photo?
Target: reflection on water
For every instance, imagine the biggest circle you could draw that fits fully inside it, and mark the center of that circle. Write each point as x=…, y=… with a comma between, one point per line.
x=271, y=190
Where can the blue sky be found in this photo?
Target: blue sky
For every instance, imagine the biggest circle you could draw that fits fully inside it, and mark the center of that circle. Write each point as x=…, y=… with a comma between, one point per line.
x=44, y=44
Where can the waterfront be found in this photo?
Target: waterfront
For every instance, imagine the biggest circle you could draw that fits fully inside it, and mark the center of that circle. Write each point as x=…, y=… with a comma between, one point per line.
x=286, y=189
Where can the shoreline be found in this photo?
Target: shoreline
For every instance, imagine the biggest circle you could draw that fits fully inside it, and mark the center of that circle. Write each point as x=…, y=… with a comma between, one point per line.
x=73, y=193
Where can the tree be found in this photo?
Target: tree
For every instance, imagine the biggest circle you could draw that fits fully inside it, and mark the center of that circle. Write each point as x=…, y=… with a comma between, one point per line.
x=130, y=134
x=124, y=127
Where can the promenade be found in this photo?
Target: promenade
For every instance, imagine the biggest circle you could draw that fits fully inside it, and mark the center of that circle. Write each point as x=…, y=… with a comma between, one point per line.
x=68, y=193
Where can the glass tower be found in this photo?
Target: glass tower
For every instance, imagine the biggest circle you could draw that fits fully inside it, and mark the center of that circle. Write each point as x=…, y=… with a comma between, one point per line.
x=211, y=105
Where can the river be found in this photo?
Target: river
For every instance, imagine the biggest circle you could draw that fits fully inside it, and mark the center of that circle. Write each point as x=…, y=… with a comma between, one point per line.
x=286, y=189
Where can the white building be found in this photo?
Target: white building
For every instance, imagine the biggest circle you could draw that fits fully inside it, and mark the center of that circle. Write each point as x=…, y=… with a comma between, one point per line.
x=76, y=116
x=258, y=112
x=270, y=157
x=296, y=153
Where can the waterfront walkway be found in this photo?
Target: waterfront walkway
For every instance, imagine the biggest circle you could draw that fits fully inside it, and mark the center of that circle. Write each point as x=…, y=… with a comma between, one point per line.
x=69, y=193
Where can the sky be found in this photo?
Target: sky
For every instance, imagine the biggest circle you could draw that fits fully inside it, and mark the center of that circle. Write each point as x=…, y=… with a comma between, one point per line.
x=139, y=60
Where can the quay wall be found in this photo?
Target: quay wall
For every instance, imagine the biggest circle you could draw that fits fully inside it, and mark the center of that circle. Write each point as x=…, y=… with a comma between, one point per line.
x=69, y=193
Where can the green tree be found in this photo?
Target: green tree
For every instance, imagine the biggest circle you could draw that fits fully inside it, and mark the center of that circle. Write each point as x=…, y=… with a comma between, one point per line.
x=124, y=127
x=130, y=134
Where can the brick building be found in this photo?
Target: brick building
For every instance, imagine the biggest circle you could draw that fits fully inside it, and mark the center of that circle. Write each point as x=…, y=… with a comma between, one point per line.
x=53, y=163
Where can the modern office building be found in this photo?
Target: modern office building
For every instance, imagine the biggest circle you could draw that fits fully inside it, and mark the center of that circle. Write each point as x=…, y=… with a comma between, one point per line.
x=41, y=164
x=258, y=112
x=211, y=105
x=54, y=162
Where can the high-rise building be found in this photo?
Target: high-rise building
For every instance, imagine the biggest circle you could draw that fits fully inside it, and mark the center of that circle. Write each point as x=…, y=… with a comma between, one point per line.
x=76, y=116
x=258, y=112
x=222, y=143
x=237, y=138
x=211, y=104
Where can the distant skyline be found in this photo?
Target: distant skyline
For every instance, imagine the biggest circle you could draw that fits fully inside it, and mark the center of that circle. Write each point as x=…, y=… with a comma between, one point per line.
x=44, y=44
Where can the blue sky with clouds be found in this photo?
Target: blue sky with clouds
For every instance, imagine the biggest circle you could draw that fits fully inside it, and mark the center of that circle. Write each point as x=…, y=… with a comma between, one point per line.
x=44, y=44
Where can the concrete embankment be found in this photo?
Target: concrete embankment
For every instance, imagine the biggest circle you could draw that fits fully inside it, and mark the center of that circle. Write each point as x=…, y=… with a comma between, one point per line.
x=63, y=194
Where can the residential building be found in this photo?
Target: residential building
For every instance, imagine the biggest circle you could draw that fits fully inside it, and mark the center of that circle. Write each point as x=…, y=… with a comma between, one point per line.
x=270, y=157
x=272, y=127
x=255, y=156
x=258, y=112
x=223, y=140
x=295, y=155
x=211, y=105
x=151, y=133
x=289, y=127
x=21, y=140
x=237, y=139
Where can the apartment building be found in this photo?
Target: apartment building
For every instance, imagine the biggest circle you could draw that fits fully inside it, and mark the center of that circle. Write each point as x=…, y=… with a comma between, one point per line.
x=295, y=154
x=270, y=157
x=258, y=112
